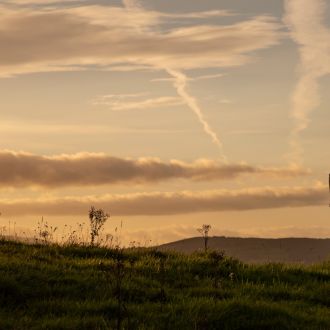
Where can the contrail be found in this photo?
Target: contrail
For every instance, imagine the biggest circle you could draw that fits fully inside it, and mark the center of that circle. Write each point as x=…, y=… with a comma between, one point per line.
x=305, y=20
x=180, y=84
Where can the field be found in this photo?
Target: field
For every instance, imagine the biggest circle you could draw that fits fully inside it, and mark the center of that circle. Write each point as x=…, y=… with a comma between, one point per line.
x=81, y=287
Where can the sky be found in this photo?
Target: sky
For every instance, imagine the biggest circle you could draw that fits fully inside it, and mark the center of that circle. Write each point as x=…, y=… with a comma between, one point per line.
x=167, y=115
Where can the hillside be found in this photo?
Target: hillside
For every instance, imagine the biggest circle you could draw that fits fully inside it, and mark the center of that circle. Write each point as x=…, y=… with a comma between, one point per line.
x=80, y=287
x=257, y=250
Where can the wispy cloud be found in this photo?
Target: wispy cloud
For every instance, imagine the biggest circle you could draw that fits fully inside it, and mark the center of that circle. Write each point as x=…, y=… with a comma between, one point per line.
x=81, y=36
x=208, y=76
x=84, y=35
x=306, y=21
x=161, y=203
x=180, y=83
x=32, y=128
x=203, y=77
x=123, y=102
x=24, y=170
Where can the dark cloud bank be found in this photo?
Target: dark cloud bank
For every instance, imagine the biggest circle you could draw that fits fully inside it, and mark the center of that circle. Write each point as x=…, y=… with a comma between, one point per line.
x=24, y=170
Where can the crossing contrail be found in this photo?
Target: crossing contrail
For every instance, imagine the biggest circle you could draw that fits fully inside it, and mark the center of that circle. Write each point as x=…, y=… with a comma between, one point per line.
x=180, y=84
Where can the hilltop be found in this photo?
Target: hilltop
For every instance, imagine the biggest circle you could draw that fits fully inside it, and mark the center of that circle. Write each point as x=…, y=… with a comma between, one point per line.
x=260, y=250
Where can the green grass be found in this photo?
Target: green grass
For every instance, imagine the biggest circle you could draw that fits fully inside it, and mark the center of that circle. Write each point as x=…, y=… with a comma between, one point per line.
x=54, y=287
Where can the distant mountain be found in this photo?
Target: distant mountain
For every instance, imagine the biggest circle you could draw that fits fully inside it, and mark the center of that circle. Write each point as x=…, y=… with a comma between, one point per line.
x=260, y=250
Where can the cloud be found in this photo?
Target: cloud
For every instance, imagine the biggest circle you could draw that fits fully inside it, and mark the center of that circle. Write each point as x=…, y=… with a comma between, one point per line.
x=180, y=80
x=24, y=170
x=61, y=39
x=36, y=40
x=306, y=21
x=172, y=203
x=120, y=102
x=68, y=38
x=8, y=128
x=208, y=76
x=203, y=77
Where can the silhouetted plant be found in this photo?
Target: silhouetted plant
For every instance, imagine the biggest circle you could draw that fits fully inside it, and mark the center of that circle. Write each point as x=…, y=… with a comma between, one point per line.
x=44, y=232
x=72, y=238
x=97, y=218
x=204, y=231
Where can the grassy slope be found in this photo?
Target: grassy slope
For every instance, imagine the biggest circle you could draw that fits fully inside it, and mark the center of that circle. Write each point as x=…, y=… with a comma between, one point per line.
x=51, y=287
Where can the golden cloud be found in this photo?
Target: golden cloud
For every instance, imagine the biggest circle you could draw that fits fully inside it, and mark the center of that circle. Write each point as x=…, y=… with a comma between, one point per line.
x=34, y=40
x=171, y=203
x=19, y=169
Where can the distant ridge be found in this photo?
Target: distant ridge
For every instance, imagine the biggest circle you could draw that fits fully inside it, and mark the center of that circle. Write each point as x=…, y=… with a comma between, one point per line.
x=260, y=250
